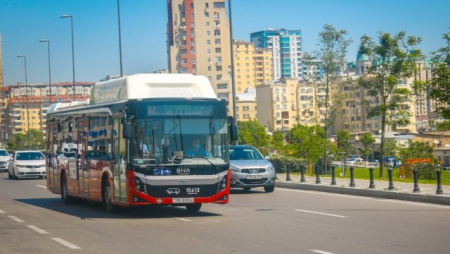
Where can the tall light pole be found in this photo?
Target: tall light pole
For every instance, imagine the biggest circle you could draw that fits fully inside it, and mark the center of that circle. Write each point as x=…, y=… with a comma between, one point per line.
x=49, y=69
x=73, y=54
x=27, y=102
x=233, y=86
x=120, y=38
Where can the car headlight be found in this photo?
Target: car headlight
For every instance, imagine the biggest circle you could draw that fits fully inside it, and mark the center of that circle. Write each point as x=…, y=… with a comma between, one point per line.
x=270, y=168
x=20, y=166
x=235, y=169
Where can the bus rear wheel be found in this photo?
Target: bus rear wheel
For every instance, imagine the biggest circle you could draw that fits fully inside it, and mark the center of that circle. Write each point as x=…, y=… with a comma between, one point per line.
x=64, y=193
x=107, y=197
x=194, y=207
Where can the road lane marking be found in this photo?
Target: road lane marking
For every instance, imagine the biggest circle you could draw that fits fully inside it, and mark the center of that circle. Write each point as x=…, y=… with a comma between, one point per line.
x=182, y=219
x=322, y=252
x=327, y=214
x=2, y=211
x=412, y=203
x=66, y=243
x=14, y=218
x=40, y=231
x=42, y=186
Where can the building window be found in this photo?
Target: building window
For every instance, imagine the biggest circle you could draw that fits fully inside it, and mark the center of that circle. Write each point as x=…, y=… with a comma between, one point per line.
x=219, y=5
x=222, y=86
x=219, y=50
x=219, y=77
x=218, y=68
x=207, y=23
x=208, y=33
x=206, y=5
x=218, y=41
x=192, y=15
x=209, y=51
x=207, y=14
x=218, y=59
x=208, y=42
x=192, y=25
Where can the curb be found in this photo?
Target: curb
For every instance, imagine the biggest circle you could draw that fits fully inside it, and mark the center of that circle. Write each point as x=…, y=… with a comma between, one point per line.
x=414, y=197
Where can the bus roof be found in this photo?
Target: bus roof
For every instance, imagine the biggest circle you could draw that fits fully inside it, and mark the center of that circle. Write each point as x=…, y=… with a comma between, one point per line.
x=142, y=86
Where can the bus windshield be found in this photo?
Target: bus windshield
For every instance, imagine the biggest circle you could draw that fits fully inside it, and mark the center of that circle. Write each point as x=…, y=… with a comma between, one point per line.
x=178, y=138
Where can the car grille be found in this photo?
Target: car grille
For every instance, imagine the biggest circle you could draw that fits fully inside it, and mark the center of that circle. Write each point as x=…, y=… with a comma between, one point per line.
x=253, y=181
x=2, y=163
x=253, y=170
x=34, y=166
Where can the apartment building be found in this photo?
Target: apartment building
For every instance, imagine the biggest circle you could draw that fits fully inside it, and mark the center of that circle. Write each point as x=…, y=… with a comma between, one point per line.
x=253, y=66
x=286, y=47
x=15, y=118
x=199, y=41
x=246, y=105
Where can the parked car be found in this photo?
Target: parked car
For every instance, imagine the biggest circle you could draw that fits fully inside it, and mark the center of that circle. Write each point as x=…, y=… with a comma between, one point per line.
x=26, y=164
x=249, y=169
x=4, y=160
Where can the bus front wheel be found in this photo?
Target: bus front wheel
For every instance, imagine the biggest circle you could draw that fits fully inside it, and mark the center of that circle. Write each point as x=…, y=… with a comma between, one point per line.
x=194, y=207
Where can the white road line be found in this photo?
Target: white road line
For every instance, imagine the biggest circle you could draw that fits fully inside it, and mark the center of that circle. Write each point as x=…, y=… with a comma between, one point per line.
x=182, y=219
x=66, y=243
x=327, y=214
x=322, y=252
x=14, y=218
x=412, y=203
x=42, y=186
x=2, y=211
x=40, y=231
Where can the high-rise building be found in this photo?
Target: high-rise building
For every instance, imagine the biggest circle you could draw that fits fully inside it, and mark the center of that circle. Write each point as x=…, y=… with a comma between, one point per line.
x=286, y=46
x=198, y=41
x=1, y=63
x=252, y=66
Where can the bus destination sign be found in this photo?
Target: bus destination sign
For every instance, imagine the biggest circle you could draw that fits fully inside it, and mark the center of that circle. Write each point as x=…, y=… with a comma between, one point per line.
x=182, y=110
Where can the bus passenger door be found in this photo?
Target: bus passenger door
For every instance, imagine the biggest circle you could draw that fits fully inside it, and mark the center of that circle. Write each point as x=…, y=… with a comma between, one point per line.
x=52, y=163
x=119, y=163
x=83, y=169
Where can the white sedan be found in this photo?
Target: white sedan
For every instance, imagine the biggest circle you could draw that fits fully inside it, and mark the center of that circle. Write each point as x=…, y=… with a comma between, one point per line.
x=26, y=164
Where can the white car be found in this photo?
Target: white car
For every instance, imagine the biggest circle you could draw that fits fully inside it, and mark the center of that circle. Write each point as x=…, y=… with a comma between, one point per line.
x=26, y=164
x=4, y=160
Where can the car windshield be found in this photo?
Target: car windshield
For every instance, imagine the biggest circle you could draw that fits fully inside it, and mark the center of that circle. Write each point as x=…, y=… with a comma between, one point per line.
x=244, y=153
x=28, y=156
x=3, y=153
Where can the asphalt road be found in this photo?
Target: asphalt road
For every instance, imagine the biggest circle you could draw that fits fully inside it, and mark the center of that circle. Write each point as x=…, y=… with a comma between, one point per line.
x=32, y=220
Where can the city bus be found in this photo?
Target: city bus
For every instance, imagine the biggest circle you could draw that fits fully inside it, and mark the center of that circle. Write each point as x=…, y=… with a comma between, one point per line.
x=129, y=145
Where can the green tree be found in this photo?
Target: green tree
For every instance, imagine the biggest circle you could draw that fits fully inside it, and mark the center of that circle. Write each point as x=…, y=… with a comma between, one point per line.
x=417, y=150
x=439, y=86
x=277, y=142
x=252, y=133
x=330, y=57
x=391, y=61
x=19, y=141
x=307, y=142
x=366, y=140
x=344, y=143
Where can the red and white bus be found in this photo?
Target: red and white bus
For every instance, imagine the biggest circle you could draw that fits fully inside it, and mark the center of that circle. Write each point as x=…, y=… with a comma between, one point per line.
x=130, y=145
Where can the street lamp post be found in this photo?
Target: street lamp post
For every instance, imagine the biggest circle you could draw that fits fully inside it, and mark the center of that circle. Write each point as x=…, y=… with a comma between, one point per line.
x=27, y=102
x=233, y=86
x=120, y=38
x=49, y=69
x=73, y=54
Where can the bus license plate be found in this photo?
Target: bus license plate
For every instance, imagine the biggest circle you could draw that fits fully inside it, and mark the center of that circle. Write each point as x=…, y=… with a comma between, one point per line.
x=182, y=200
x=254, y=177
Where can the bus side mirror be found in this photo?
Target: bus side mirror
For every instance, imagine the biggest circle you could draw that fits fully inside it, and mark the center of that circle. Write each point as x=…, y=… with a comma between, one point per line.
x=233, y=129
x=127, y=130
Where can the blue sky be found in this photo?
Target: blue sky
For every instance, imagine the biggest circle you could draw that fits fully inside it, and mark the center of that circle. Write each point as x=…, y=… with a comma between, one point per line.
x=24, y=22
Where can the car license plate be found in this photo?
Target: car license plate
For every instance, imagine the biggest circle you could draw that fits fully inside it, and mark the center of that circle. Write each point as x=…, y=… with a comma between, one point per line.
x=254, y=177
x=182, y=200
x=32, y=170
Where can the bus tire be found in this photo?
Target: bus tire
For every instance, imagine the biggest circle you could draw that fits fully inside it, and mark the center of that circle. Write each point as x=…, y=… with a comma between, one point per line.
x=107, y=197
x=194, y=207
x=64, y=191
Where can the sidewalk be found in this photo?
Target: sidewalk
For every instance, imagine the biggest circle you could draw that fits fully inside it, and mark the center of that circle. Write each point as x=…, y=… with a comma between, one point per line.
x=402, y=191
